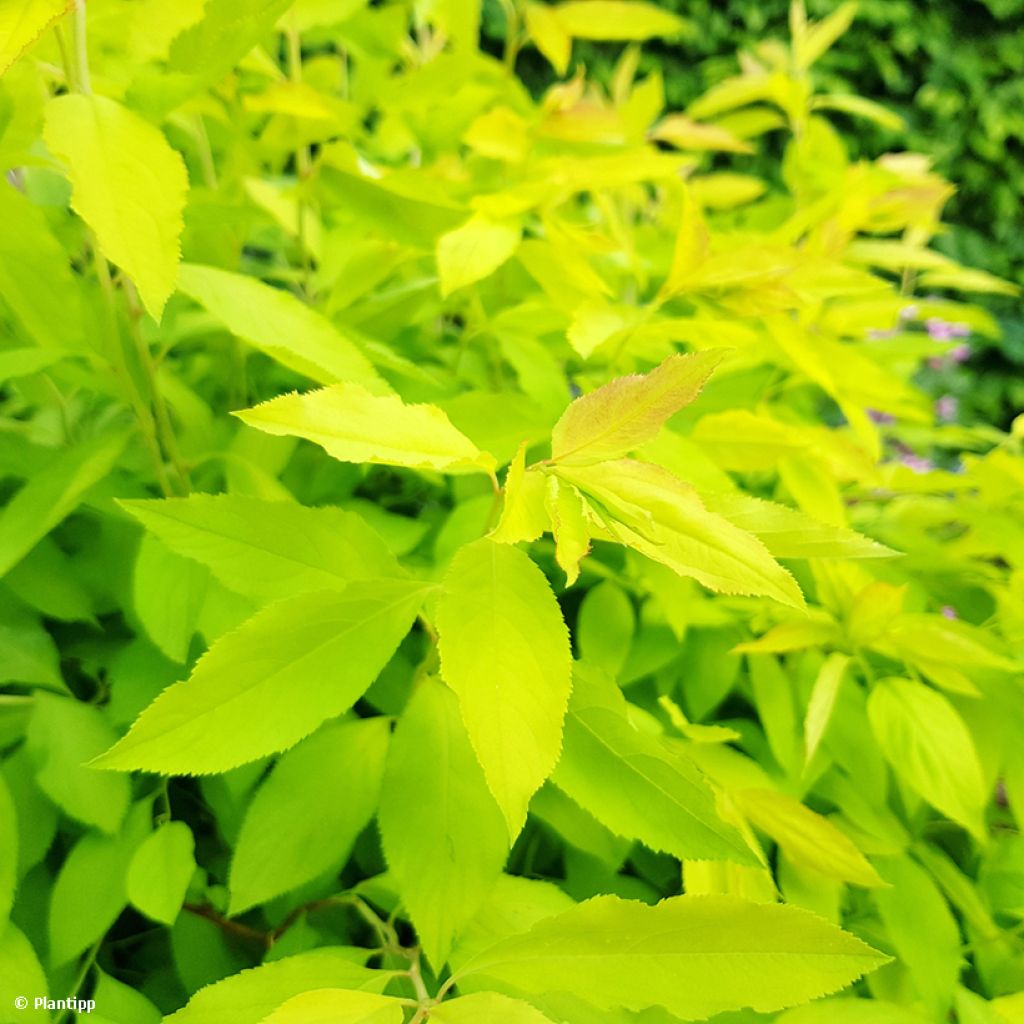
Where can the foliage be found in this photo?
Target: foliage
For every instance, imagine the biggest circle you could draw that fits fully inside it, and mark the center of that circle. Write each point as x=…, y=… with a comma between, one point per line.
x=465, y=557
x=952, y=71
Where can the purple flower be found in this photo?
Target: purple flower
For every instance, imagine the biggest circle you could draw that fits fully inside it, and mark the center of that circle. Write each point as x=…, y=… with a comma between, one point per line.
x=917, y=463
x=948, y=612
x=946, y=408
x=880, y=417
x=943, y=330
x=960, y=354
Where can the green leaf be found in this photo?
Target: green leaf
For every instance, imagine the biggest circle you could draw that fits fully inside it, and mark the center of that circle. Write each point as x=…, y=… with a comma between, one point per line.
x=820, y=36
x=280, y=324
x=788, y=533
x=929, y=748
x=35, y=278
x=248, y=997
x=629, y=411
x=860, y=106
x=337, y=1006
x=353, y=425
x=129, y=187
x=22, y=23
x=693, y=955
x=8, y=851
x=27, y=651
x=297, y=827
x=473, y=251
x=618, y=20
x=21, y=973
x=89, y=892
x=54, y=493
x=523, y=514
x=637, y=784
x=505, y=651
x=168, y=593
x=268, y=549
x=63, y=734
x=263, y=687
x=822, y=701
x=567, y=512
x=808, y=839
x=161, y=870
x=851, y=1011
x=663, y=518
x=444, y=836
x=491, y=1007
x=605, y=627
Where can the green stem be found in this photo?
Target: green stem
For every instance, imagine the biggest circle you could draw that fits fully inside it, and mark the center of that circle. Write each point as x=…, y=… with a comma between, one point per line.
x=83, y=973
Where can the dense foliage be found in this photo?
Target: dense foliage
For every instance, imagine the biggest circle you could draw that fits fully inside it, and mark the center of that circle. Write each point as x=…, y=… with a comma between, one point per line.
x=470, y=558
x=953, y=71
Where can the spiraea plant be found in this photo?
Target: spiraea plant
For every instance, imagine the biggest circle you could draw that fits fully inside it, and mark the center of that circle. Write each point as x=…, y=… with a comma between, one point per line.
x=479, y=558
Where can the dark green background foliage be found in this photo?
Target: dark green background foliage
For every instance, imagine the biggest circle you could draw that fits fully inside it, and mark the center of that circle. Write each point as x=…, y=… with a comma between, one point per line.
x=953, y=69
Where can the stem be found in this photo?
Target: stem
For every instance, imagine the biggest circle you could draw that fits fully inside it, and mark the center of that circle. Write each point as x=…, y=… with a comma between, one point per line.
x=83, y=973
x=225, y=924
x=82, y=49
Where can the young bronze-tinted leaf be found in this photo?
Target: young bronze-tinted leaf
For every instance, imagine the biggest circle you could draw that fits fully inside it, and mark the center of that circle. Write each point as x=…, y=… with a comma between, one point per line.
x=444, y=835
x=22, y=23
x=636, y=784
x=663, y=518
x=505, y=652
x=129, y=187
x=337, y=1006
x=929, y=748
x=160, y=871
x=272, y=681
x=278, y=323
x=305, y=817
x=623, y=414
x=269, y=549
x=353, y=425
x=54, y=493
x=248, y=997
x=694, y=955
x=63, y=735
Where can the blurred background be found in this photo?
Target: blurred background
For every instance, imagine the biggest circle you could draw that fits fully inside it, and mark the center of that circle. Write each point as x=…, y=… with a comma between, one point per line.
x=952, y=69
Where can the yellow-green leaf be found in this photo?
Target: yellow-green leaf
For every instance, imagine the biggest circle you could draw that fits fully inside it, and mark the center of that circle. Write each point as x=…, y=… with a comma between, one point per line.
x=567, y=512
x=129, y=186
x=820, y=36
x=629, y=411
x=823, y=701
x=487, y=1008
x=930, y=748
x=22, y=22
x=549, y=35
x=618, y=20
x=353, y=425
x=523, y=515
x=808, y=839
x=337, y=1006
x=473, y=251
x=505, y=652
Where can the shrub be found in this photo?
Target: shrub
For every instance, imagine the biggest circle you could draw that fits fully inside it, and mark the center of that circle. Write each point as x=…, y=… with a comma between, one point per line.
x=511, y=570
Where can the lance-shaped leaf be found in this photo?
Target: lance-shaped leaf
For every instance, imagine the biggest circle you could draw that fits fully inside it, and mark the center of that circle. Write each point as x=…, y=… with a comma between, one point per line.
x=337, y=1006
x=930, y=748
x=248, y=997
x=278, y=323
x=505, y=652
x=444, y=835
x=353, y=425
x=492, y=1007
x=473, y=251
x=311, y=809
x=693, y=955
x=647, y=508
x=627, y=412
x=129, y=186
x=268, y=549
x=22, y=23
x=618, y=20
x=789, y=533
x=523, y=514
x=568, y=515
x=53, y=493
x=273, y=680
x=636, y=784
